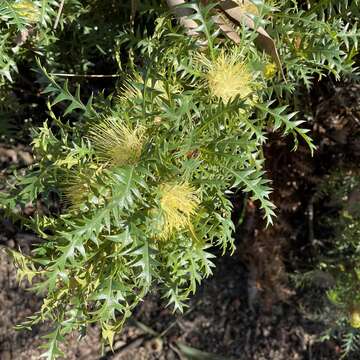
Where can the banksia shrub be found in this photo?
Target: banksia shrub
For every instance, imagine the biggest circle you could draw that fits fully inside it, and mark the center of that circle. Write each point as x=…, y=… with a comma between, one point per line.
x=144, y=176
x=338, y=257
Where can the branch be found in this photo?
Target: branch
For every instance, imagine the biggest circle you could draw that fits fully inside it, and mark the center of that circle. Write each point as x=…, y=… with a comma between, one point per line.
x=59, y=14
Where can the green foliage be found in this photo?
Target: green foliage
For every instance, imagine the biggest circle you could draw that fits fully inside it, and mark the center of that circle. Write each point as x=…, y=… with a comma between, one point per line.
x=143, y=176
x=340, y=257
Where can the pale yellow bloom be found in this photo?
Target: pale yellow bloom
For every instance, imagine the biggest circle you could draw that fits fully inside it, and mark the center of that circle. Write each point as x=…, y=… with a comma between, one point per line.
x=228, y=78
x=355, y=318
x=77, y=186
x=178, y=203
x=128, y=91
x=28, y=10
x=116, y=143
x=248, y=7
x=76, y=191
x=269, y=70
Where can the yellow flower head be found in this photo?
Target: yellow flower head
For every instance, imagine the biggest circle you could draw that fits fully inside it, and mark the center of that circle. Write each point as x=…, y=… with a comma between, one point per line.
x=28, y=10
x=76, y=191
x=76, y=187
x=178, y=203
x=269, y=70
x=128, y=91
x=248, y=7
x=355, y=318
x=228, y=78
x=116, y=143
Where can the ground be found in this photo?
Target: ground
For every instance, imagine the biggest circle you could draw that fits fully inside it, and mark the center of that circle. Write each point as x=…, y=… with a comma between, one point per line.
x=219, y=321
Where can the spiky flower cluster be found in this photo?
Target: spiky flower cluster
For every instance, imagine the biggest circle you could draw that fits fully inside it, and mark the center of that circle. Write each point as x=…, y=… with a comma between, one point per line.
x=178, y=203
x=269, y=70
x=355, y=317
x=77, y=187
x=76, y=190
x=247, y=6
x=228, y=78
x=28, y=10
x=116, y=143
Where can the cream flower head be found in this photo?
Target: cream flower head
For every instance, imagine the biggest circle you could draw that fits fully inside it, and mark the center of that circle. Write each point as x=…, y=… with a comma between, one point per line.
x=116, y=143
x=77, y=186
x=269, y=71
x=248, y=7
x=76, y=191
x=228, y=78
x=178, y=203
x=355, y=317
x=128, y=91
x=28, y=10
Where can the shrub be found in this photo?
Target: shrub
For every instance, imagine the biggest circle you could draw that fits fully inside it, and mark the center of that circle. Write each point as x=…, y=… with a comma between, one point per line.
x=338, y=260
x=143, y=177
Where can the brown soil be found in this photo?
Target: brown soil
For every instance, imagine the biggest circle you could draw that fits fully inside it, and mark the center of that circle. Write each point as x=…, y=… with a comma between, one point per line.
x=218, y=321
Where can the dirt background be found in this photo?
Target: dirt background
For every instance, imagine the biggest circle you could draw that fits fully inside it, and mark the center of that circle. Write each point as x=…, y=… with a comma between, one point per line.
x=219, y=320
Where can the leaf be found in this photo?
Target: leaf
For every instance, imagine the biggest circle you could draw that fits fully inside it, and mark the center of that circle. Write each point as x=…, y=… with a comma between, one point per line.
x=252, y=181
x=24, y=264
x=52, y=345
x=195, y=354
x=145, y=328
x=182, y=14
x=64, y=94
x=108, y=332
x=123, y=238
x=226, y=27
x=241, y=15
x=146, y=262
x=291, y=126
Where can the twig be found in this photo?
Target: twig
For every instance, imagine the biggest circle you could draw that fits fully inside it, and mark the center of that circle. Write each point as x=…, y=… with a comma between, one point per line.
x=86, y=76
x=123, y=349
x=310, y=211
x=134, y=6
x=59, y=14
x=176, y=351
x=172, y=324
